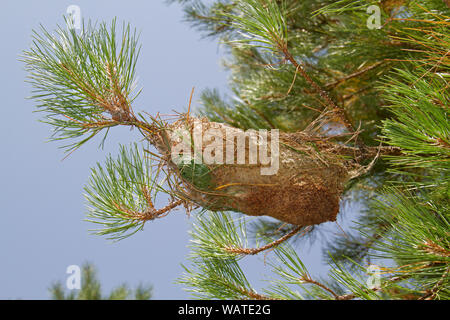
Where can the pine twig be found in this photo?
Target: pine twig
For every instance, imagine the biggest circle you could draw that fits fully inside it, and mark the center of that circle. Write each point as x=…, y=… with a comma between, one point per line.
x=152, y=213
x=253, y=251
x=354, y=75
x=322, y=93
x=431, y=294
x=307, y=279
x=252, y=294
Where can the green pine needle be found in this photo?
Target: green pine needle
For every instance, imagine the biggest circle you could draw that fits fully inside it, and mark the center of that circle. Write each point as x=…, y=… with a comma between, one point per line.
x=119, y=193
x=82, y=81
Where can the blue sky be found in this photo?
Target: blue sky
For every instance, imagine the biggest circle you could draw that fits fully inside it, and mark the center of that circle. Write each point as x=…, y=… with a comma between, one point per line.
x=43, y=208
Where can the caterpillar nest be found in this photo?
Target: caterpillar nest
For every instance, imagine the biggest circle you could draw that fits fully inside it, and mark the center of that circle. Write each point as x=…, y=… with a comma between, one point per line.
x=292, y=177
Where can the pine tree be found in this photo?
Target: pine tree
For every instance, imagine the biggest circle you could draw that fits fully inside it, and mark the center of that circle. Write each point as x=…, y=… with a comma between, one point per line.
x=359, y=91
x=91, y=289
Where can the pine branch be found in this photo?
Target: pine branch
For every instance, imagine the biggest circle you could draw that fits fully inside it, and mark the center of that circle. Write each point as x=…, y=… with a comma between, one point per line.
x=431, y=294
x=213, y=277
x=253, y=251
x=323, y=94
x=84, y=82
x=121, y=194
x=354, y=74
x=307, y=279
